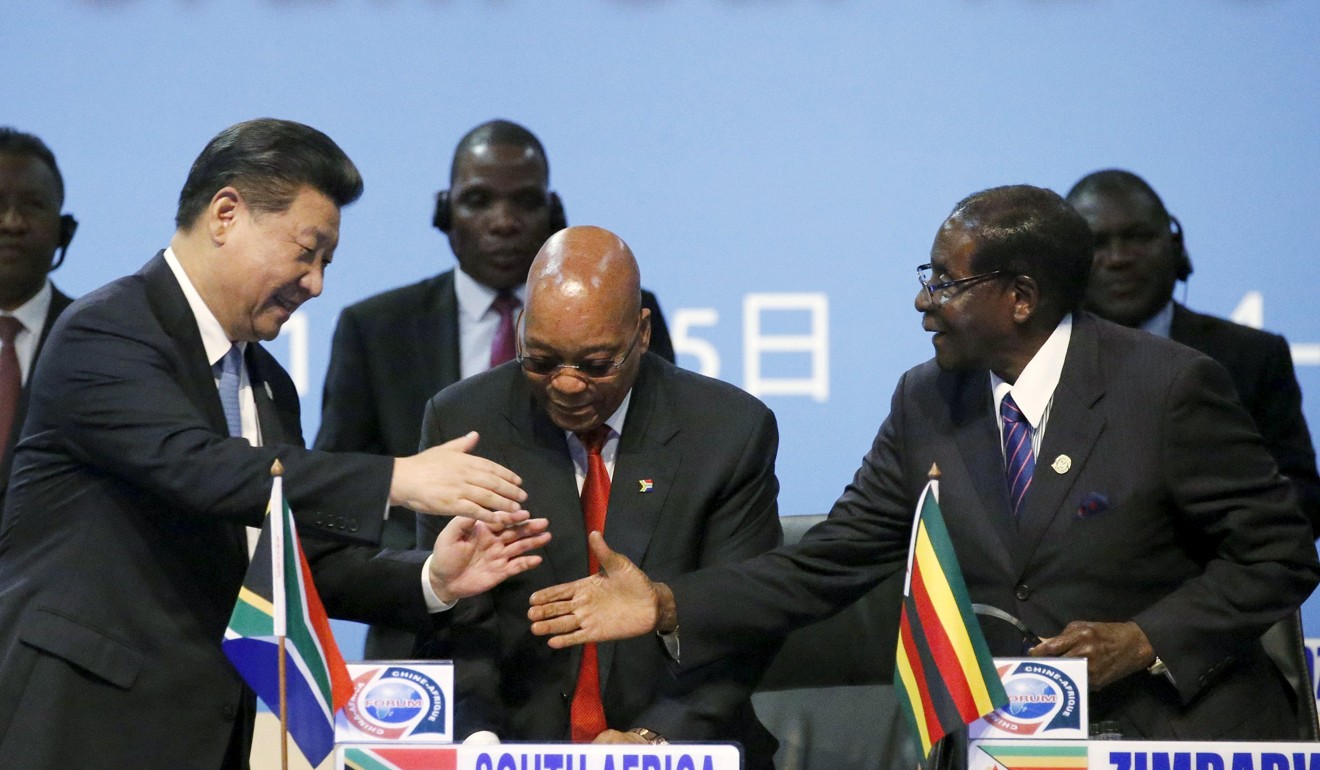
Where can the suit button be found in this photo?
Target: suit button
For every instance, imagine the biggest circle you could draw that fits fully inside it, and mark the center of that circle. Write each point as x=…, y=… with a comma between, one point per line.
x=1022, y=592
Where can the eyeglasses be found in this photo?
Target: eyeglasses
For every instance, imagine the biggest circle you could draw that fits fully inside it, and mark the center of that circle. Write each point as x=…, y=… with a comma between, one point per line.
x=592, y=370
x=939, y=292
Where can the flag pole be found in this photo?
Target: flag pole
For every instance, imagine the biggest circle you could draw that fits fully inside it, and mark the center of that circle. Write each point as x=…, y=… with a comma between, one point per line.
x=277, y=586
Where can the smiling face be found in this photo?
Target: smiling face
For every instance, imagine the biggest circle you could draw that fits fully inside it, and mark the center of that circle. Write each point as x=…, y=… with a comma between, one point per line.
x=972, y=322
x=29, y=227
x=583, y=308
x=269, y=262
x=1136, y=265
x=500, y=213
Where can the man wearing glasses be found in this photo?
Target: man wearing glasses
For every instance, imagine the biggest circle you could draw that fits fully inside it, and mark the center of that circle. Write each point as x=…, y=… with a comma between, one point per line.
x=677, y=469
x=1100, y=484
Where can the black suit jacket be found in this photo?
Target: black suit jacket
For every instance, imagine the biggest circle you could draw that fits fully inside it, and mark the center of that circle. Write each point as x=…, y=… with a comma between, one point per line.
x=122, y=546
x=1170, y=513
x=1261, y=366
x=708, y=448
x=393, y=352
x=58, y=301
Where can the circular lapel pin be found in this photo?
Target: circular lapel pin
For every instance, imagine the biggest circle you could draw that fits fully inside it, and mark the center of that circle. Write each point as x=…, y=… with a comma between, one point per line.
x=1061, y=464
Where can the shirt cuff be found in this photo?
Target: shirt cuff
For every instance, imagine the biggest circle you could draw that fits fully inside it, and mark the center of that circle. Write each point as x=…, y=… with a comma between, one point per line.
x=434, y=603
x=482, y=738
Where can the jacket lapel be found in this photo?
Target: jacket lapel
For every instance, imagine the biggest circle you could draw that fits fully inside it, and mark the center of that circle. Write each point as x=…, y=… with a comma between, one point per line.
x=433, y=347
x=1072, y=430
x=977, y=437
x=647, y=453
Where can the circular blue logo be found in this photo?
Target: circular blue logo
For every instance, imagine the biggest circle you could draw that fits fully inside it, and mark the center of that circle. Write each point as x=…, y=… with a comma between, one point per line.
x=1030, y=698
x=393, y=703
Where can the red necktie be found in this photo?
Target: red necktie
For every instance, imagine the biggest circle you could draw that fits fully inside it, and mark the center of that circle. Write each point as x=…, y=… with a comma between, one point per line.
x=11, y=378
x=501, y=347
x=588, y=713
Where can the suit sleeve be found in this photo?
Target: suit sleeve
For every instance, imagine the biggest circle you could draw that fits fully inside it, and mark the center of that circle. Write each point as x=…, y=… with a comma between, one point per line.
x=697, y=705
x=348, y=404
x=115, y=398
x=724, y=609
x=1262, y=560
x=1278, y=415
x=472, y=635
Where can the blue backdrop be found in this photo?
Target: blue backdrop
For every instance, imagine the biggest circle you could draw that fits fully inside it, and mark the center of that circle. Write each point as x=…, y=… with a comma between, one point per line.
x=779, y=166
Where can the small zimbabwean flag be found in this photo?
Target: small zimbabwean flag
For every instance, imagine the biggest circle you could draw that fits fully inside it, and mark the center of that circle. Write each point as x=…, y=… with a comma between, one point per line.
x=943, y=672
x=1027, y=755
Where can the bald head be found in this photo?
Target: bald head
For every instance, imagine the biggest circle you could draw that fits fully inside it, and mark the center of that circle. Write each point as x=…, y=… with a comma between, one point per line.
x=584, y=312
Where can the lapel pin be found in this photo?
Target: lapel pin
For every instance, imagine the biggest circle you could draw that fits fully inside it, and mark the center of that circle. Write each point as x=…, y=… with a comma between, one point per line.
x=1061, y=464
x=644, y=485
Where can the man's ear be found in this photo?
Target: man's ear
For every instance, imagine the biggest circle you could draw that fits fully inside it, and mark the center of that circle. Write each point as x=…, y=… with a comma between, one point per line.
x=1026, y=298
x=223, y=212
x=644, y=344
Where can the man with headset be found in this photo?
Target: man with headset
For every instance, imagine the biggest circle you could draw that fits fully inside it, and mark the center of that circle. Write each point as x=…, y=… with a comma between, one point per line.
x=394, y=351
x=32, y=231
x=1139, y=258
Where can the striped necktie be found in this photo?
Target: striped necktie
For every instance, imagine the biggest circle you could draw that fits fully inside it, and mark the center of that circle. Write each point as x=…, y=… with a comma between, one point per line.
x=1019, y=460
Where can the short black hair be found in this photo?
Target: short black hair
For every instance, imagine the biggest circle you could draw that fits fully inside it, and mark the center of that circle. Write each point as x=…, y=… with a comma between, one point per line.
x=268, y=161
x=1116, y=181
x=499, y=132
x=19, y=143
x=1031, y=231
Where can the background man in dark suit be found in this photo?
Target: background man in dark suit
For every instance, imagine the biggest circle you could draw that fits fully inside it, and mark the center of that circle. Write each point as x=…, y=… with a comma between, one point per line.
x=1154, y=536
x=1140, y=256
x=155, y=420
x=393, y=351
x=32, y=230
x=688, y=468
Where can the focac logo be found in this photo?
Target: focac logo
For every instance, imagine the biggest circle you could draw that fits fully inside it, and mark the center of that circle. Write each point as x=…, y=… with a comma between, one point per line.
x=391, y=702
x=1041, y=698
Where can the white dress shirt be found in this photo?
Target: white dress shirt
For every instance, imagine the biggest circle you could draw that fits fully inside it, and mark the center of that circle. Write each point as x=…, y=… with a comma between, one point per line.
x=1034, y=390
x=477, y=321
x=32, y=314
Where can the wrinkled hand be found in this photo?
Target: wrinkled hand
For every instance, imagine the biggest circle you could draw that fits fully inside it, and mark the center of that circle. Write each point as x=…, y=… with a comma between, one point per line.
x=1112, y=650
x=470, y=556
x=619, y=602
x=447, y=481
x=614, y=736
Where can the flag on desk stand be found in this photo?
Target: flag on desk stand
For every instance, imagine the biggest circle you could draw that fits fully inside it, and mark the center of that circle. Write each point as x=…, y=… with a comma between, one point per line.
x=943, y=671
x=279, y=637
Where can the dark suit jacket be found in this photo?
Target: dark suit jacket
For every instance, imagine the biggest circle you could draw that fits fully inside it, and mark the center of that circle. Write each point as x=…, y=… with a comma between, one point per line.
x=1261, y=366
x=393, y=352
x=58, y=301
x=122, y=546
x=709, y=449
x=1190, y=531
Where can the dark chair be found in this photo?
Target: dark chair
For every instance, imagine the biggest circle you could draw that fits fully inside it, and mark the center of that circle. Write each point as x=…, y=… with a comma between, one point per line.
x=1286, y=646
x=828, y=696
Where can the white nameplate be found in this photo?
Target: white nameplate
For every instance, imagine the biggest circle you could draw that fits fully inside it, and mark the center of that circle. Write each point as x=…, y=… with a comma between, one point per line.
x=1142, y=755
x=398, y=701
x=1046, y=700
x=540, y=756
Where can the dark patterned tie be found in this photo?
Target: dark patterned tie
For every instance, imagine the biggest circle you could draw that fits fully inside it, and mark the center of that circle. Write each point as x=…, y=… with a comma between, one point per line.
x=228, y=369
x=1019, y=460
x=587, y=712
x=11, y=378
x=501, y=347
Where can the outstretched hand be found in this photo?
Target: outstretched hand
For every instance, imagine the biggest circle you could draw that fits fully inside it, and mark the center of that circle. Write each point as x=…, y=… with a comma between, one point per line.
x=470, y=556
x=1112, y=650
x=619, y=602
x=446, y=480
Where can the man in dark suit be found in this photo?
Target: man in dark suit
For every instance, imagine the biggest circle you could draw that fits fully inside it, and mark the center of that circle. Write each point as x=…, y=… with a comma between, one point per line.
x=1153, y=536
x=393, y=351
x=1140, y=256
x=688, y=468
x=154, y=423
x=32, y=230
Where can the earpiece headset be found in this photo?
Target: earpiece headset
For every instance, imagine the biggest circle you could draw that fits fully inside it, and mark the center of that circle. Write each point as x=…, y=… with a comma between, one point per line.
x=1181, y=262
x=68, y=226
x=443, y=219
